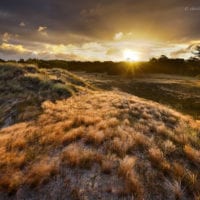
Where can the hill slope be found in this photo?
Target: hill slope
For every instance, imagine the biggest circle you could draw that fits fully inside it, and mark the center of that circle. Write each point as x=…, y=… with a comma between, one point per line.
x=106, y=145
x=23, y=88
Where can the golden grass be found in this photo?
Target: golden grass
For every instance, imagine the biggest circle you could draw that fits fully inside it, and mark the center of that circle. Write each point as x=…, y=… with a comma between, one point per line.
x=169, y=147
x=192, y=154
x=76, y=156
x=104, y=132
x=73, y=135
x=158, y=159
x=156, y=155
x=41, y=172
x=106, y=166
x=178, y=171
x=132, y=183
x=94, y=136
x=11, y=185
x=126, y=166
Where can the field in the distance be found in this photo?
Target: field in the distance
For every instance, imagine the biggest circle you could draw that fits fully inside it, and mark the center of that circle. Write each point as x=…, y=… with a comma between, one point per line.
x=179, y=92
x=68, y=137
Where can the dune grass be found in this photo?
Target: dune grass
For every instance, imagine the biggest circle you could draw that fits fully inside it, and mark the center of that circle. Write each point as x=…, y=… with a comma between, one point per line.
x=146, y=146
x=24, y=87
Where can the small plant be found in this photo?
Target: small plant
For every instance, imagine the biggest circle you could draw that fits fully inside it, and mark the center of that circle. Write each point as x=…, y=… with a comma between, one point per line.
x=11, y=181
x=94, y=136
x=132, y=183
x=73, y=135
x=176, y=189
x=192, y=154
x=157, y=157
x=179, y=171
x=106, y=166
x=169, y=147
x=77, y=156
x=126, y=166
x=41, y=172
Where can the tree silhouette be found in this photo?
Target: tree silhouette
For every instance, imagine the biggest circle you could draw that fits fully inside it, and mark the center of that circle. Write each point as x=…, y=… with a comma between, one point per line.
x=196, y=51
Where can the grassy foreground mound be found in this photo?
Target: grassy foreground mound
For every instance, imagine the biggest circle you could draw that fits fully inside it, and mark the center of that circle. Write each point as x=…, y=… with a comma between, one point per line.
x=23, y=88
x=101, y=145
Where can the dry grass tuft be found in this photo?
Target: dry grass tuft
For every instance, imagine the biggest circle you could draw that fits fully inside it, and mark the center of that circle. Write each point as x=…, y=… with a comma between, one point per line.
x=169, y=147
x=141, y=140
x=73, y=135
x=11, y=184
x=192, y=154
x=126, y=166
x=77, y=156
x=106, y=166
x=13, y=160
x=178, y=171
x=40, y=172
x=158, y=159
x=94, y=136
x=156, y=155
x=132, y=183
x=162, y=130
x=118, y=146
x=176, y=189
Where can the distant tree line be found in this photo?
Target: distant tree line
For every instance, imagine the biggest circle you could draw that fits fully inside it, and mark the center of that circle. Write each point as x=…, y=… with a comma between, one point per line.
x=162, y=64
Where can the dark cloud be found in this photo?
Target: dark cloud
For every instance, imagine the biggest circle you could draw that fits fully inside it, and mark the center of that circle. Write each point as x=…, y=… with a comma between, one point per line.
x=78, y=21
x=93, y=17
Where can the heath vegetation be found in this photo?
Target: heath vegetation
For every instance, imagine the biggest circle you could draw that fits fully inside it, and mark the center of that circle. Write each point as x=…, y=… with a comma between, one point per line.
x=96, y=143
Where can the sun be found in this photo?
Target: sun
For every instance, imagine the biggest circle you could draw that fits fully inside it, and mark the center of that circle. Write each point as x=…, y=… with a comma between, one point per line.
x=130, y=55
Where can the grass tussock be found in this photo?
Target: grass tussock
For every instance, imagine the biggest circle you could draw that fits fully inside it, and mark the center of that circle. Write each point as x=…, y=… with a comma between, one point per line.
x=192, y=154
x=132, y=183
x=73, y=135
x=11, y=185
x=94, y=136
x=106, y=166
x=41, y=172
x=158, y=159
x=76, y=156
x=176, y=188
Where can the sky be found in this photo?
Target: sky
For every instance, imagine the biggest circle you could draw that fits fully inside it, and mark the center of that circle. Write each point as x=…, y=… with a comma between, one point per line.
x=90, y=30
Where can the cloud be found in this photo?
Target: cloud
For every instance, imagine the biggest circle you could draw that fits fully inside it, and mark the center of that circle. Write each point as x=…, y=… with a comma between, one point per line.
x=118, y=36
x=42, y=28
x=113, y=52
x=91, y=12
x=123, y=36
x=100, y=20
x=91, y=51
x=180, y=52
x=22, y=24
x=6, y=37
x=4, y=14
x=12, y=48
x=186, y=51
